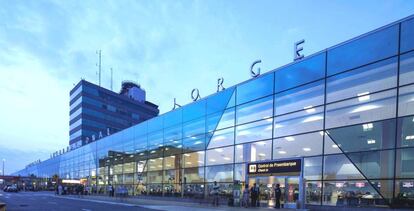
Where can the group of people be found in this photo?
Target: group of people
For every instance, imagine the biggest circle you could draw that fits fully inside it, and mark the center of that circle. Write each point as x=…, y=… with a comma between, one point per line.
x=253, y=194
x=75, y=190
x=119, y=191
x=249, y=195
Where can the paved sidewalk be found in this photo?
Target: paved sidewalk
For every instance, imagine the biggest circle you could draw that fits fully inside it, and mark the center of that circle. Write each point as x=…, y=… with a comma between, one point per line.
x=169, y=205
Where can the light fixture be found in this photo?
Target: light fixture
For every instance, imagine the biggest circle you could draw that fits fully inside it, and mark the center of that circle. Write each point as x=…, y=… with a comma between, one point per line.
x=198, y=142
x=334, y=146
x=200, y=161
x=188, y=163
x=200, y=152
x=218, y=150
x=226, y=158
x=212, y=160
x=239, y=146
x=278, y=125
x=269, y=120
x=364, y=96
x=371, y=141
x=306, y=149
x=364, y=108
x=409, y=137
x=282, y=152
x=218, y=138
x=187, y=155
x=367, y=127
x=243, y=133
x=172, y=156
x=309, y=109
x=290, y=138
x=312, y=118
x=262, y=143
x=262, y=155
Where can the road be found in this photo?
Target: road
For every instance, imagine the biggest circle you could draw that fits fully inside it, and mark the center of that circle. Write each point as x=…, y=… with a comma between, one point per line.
x=39, y=201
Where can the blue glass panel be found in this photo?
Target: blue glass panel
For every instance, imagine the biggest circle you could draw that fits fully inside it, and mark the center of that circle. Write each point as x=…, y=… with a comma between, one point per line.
x=155, y=123
x=220, y=120
x=372, y=78
x=155, y=144
x=194, y=127
x=407, y=35
x=220, y=101
x=407, y=68
x=194, y=143
x=303, y=121
x=256, y=110
x=370, y=48
x=141, y=128
x=141, y=147
x=194, y=110
x=364, y=137
x=256, y=88
x=307, y=70
x=255, y=131
x=173, y=118
x=303, y=97
x=172, y=140
x=220, y=138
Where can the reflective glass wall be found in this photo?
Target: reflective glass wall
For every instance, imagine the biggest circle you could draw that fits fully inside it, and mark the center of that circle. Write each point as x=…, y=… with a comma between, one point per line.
x=348, y=111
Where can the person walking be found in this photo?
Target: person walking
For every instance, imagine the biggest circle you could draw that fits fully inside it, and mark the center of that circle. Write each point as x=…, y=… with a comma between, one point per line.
x=254, y=194
x=60, y=189
x=278, y=194
x=215, y=193
x=110, y=190
x=246, y=196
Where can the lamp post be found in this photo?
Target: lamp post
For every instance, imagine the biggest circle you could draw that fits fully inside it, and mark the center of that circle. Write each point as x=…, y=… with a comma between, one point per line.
x=4, y=160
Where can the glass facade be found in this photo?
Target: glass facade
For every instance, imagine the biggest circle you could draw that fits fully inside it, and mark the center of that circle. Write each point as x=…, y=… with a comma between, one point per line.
x=347, y=111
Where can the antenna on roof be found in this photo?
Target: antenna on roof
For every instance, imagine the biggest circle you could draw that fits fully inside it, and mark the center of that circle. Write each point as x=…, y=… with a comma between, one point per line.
x=112, y=79
x=99, y=52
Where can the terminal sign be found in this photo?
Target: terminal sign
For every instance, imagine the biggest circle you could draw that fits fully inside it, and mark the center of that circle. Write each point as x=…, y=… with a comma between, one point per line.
x=271, y=167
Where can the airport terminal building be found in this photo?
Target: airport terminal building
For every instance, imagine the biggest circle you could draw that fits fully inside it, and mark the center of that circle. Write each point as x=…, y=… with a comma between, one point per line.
x=333, y=129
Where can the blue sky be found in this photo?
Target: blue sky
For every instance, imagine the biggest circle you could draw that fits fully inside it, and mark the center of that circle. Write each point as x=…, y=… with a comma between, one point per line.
x=169, y=47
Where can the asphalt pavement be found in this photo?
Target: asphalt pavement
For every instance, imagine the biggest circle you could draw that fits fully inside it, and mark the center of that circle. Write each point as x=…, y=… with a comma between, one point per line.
x=39, y=201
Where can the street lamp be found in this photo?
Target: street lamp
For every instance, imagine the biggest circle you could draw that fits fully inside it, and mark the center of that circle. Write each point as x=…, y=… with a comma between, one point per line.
x=4, y=160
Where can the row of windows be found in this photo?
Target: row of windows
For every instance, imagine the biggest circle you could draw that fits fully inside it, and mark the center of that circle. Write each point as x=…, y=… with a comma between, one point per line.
x=358, y=83
x=372, y=165
x=193, y=135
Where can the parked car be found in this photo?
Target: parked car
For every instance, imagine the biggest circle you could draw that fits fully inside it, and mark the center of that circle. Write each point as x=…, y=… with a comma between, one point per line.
x=11, y=188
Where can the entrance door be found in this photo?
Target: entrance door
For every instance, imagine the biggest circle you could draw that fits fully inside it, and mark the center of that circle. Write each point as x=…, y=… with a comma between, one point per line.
x=291, y=192
x=289, y=185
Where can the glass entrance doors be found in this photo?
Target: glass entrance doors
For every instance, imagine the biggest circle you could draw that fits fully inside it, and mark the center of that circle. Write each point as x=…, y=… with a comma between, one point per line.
x=290, y=186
